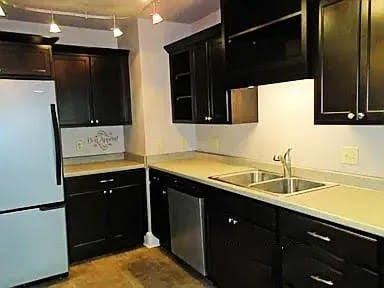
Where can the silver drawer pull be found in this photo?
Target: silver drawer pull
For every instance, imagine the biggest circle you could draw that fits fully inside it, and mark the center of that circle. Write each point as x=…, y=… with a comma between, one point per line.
x=107, y=181
x=320, y=280
x=235, y=222
x=315, y=235
x=40, y=70
x=164, y=192
x=230, y=220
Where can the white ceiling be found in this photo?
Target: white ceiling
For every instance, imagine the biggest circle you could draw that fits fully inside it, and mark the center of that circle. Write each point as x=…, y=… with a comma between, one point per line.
x=184, y=11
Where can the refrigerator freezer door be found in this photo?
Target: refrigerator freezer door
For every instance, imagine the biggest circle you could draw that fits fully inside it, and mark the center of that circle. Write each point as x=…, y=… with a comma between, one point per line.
x=33, y=246
x=27, y=145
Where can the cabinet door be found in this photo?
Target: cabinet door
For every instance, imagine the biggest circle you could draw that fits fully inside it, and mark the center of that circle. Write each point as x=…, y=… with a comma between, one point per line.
x=160, y=213
x=222, y=259
x=201, y=83
x=337, y=83
x=126, y=217
x=86, y=216
x=24, y=60
x=219, y=104
x=372, y=87
x=108, y=91
x=72, y=76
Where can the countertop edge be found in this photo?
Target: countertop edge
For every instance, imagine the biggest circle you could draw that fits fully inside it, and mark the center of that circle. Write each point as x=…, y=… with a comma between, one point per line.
x=102, y=170
x=278, y=201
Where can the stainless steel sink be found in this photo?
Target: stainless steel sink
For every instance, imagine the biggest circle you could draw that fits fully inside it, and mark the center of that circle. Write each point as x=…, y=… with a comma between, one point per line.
x=247, y=178
x=288, y=186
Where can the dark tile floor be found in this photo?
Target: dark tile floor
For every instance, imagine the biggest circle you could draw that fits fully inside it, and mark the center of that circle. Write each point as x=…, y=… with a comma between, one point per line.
x=148, y=268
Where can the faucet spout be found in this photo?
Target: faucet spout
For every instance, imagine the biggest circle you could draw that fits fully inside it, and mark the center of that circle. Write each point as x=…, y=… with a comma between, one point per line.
x=286, y=161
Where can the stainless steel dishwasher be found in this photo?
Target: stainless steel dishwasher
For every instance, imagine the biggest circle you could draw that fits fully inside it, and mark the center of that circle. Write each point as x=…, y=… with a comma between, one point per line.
x=186, y=216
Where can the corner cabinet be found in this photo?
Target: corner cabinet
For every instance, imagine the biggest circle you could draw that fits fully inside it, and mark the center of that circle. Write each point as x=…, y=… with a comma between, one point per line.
x=350, y=77
x=198, y=89
x=268, y=41
x=92, y=86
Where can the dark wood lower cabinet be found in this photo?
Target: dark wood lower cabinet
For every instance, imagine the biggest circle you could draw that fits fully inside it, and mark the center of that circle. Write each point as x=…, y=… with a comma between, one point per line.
x=87, y=223
x=160, y=210
x=240, y=253
x=126, y=216
x=108, y=219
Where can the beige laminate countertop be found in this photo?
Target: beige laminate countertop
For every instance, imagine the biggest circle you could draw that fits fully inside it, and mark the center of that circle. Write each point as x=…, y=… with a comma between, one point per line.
x=100, y=167
x=357, y=208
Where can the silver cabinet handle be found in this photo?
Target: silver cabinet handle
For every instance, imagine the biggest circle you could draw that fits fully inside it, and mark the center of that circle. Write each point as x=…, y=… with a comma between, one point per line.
x=97, y=121
x=315, y=235
x=320, y=280
x=351, y=116
x=164, y=192
x=110, y=191
x=209, y=118
x=105, y=192
x=360, y=116
x=230, y=220
x=91, y=121
x=235, y=222
x=40, y=70
x=107, y=181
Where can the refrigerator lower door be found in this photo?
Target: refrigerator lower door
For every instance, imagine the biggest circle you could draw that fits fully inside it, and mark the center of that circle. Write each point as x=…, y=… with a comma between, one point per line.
x=33, y=246
x=27, y=145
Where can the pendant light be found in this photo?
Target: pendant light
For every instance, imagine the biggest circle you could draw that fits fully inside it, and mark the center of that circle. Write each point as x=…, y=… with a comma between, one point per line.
x=2, y=12
x=53, y=27
x=116, y=30
x=156, y=18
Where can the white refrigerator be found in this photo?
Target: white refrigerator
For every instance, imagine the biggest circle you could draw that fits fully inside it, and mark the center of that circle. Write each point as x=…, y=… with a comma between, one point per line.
x=33, y=242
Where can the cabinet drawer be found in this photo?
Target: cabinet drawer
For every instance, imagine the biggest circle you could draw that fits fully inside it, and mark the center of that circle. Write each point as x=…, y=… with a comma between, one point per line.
x=81, y=184
x=258, y=213
x=338, y=241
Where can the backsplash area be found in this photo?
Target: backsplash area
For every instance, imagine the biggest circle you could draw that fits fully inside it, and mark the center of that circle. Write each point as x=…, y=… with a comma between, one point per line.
x=89, y=141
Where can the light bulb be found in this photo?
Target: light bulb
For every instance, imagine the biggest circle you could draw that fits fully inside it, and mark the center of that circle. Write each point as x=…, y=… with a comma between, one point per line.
x=117, y=32
x=156, y=18
x=54, y=28
x=2, y=12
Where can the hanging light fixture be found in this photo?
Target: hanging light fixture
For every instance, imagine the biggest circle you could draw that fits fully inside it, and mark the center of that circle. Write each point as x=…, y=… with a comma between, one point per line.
x=116, y=30
x=2, y=12
x=156, y=18
x=53, y=27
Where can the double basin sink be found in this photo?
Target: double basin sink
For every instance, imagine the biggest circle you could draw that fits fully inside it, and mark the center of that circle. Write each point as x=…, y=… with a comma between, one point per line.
x=270, y=182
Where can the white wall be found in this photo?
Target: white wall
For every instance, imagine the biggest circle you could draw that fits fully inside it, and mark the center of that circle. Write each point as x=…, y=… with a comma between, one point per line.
x=151, y=91
x=286, y=117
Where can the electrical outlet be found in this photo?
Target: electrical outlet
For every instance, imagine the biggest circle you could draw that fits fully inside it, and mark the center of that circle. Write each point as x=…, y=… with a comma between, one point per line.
x=350, y=155
x=79, y=145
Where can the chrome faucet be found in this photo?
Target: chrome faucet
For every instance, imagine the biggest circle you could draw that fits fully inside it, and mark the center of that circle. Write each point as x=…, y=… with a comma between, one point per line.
x=286, y=161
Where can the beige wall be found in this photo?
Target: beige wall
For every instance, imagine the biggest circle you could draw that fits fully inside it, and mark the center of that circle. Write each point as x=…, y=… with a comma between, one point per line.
x=286, y=117
x=151, y=91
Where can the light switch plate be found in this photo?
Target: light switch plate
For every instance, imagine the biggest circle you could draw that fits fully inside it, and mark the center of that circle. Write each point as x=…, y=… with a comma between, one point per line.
x=350, y=155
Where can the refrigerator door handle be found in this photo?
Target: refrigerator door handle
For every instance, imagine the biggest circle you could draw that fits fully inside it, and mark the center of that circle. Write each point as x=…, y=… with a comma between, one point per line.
x=56, y=133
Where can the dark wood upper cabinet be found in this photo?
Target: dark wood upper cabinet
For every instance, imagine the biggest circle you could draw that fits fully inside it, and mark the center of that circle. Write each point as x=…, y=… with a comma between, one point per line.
x=198, y=89
x=350, y=77
x=73, y=92
x=93, y=87
x=268, y=42
x=22, y=60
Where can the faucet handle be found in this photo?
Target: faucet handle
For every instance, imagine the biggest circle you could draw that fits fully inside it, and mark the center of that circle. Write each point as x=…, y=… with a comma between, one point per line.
x=277, y=157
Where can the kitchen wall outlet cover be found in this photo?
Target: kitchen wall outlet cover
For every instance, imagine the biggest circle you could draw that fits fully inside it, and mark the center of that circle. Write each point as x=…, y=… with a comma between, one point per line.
x=79, y=145
x=350, y=155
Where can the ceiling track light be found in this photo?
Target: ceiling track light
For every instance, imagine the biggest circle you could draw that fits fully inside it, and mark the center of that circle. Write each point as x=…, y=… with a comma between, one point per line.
x=53, y=27
x=116, y=30
x=2, y=12
x=156, y=17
